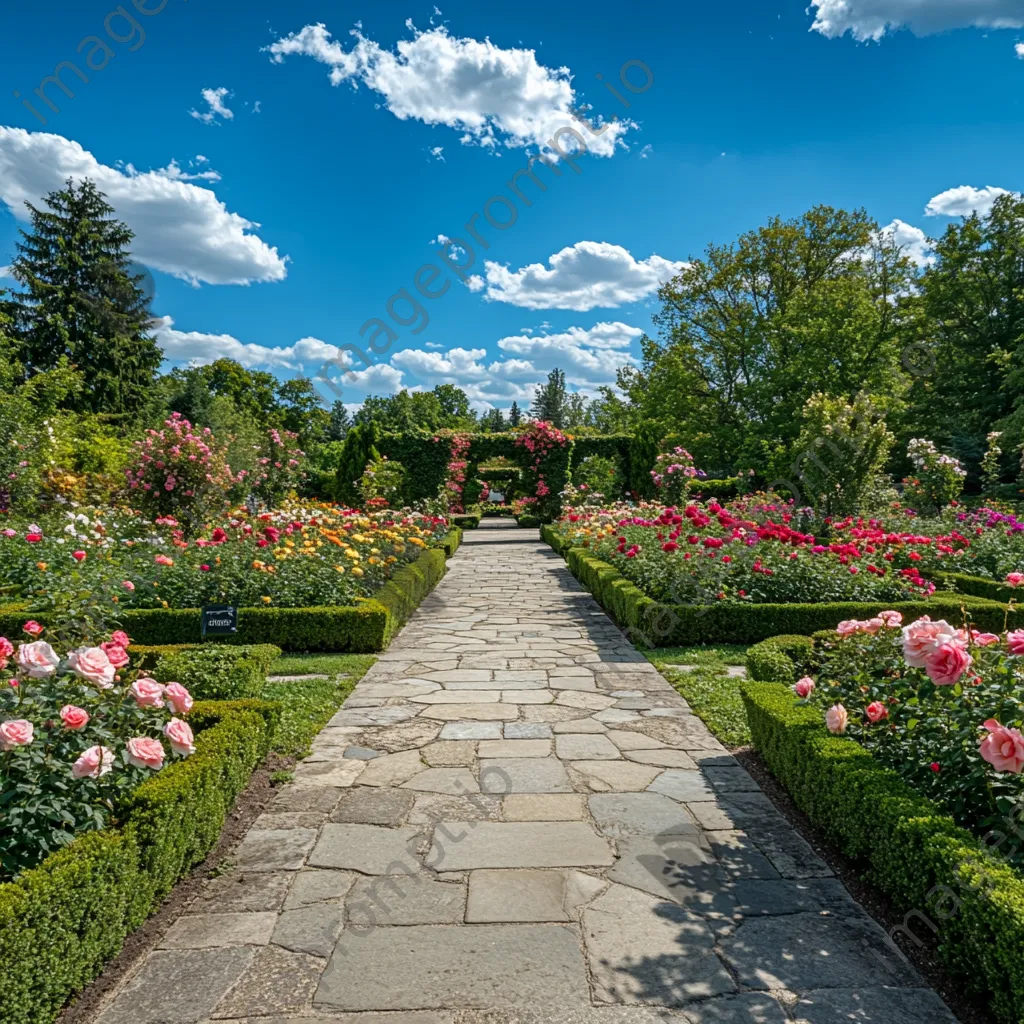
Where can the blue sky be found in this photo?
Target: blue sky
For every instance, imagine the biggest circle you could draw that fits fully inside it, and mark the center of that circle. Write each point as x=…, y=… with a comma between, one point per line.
x=276, y=232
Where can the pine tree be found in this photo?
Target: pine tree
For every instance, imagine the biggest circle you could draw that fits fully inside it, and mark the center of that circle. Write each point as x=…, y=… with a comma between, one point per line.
x=550, y=400
x=82, y=301
x=341, y=422
x=515, y=417
x=359, y=448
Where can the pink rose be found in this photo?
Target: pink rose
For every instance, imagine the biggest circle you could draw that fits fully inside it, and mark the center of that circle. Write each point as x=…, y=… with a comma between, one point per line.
x=848, y=627
x=92, y=665
x=74, y=718
x=836, y=719
x=876, y=711
x=984, y=639
x=871, y=626
x=145, y=752
x=923, y=637
x=1003, y=748
x=116, y=654
x=946, y=665
x=804, y=687
x=38, y=659
x=96, y=761
x=179, y=700
x=127, y=584
x=15, y=733
x=32, y=628
x=6, y=647
x=179, y=735
x=1015, y=579
x=1015, y=641
x=148, y=693
x=121, y=638
x=891, y=618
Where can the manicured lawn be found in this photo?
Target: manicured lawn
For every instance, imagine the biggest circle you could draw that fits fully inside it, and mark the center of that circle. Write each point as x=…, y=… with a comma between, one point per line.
x=710, y=691
x=309, y=704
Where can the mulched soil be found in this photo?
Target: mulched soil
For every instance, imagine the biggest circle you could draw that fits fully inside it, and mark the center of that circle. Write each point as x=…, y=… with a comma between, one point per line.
x=249, y=805
x=924, y=958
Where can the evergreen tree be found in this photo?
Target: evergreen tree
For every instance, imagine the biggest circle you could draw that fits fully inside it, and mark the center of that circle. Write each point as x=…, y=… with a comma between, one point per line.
x=360, y=447
x=341, y=422
x=515, y=417
x=492, y=422
x=550, y=403
x=82, y=302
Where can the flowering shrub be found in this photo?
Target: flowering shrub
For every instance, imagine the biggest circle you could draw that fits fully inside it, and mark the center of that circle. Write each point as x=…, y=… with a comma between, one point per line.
x=294, y=557
x=278, y=467
x=381, y=484
x=938, y=479
x=673, y=473
x=77, y=732
x=546, y=451
x=180, y=473
x=990, y=462
x=940, y=704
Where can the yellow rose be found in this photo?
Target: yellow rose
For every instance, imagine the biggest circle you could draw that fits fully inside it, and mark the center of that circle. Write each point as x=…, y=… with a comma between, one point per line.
x=356, y=571
x=265, y=600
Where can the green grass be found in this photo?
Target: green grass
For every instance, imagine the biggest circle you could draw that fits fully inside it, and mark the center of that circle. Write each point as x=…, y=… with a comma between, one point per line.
x=725, y=654
x=309, y=704
x=713, y=694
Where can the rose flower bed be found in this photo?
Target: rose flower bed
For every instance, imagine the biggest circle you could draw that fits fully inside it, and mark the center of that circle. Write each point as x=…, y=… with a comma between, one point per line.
x=905, y=749
x=78, y=732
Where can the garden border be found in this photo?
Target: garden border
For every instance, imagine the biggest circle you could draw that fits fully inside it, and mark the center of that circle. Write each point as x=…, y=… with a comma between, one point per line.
x=61, y=921
x=653, y=624
x=918, y=856
x=364, y=628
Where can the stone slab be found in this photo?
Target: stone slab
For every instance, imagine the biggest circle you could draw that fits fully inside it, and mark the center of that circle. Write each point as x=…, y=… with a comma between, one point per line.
x=400, y=900
x=372, y=805
x=621, y=815
x=471, y=731
x=506, y=775
x=516, y=896
x=582, y=747
x=274, y=849
x=207, y=931
x=366, y=848
x=527, y=844
x=543, y=807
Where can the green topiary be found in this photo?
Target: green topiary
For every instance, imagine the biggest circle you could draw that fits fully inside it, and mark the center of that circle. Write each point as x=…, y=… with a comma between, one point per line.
x=781, y=659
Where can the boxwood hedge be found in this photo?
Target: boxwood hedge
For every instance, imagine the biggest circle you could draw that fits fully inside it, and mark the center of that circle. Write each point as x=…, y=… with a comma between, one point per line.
x=63, y=920
x=653, y=624
x=951, y=887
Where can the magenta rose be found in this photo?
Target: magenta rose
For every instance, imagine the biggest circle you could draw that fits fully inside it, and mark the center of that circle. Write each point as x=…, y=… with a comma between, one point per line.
x=804, y=687
x=115, y=653
x=1015, y=579
x=38, y=659
x=145, y=752
x=836, y=719
x=74, y=718
x=876, y=711
x=946, y=665
x=148, y=693
x=32, y=628
x=15, y=733
x=179, y=700
x=923, y=638
x=93, y=763
x=1015, y=641
x=121, y=638
x=1003, y=748
x=180, y=737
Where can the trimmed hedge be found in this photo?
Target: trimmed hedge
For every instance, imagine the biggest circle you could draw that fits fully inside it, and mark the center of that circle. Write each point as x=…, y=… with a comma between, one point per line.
x=781, y=657
x=468, y=521
x=652, y=624
x=361, y=629
x=63, y=920
x=528, y=520
x=975, y=586
x=945, y=879
x=216, y=672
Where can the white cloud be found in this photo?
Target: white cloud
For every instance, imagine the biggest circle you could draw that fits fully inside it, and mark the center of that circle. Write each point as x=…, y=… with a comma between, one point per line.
x=914, y=242
x=5, y=271
x=963, y=201
x=871, y=19
x=646, y=151
x=180, y=228
x=492, y=96
x=257, y=107
x=196, y=347
x=214, y=99
x=588, y=356
x=174, y=173
x=581, y=277
x=1019, y=50
x=475, y=283
x=437, y=152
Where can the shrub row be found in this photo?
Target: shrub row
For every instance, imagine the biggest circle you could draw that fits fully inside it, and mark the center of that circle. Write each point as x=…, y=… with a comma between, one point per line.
x=975, y=586
x=216, y=672
x=527, y=520
x=947, y=881
x=781, y=657
x=469, y=521
x=62, y=921
x=660, y=625
x=362, y=628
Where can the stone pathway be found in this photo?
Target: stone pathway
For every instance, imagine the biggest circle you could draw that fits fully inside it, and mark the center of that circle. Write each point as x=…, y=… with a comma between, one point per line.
x=516, y=820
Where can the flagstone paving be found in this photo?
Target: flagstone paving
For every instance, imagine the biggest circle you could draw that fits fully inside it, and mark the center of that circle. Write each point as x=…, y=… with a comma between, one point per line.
x=514, y=820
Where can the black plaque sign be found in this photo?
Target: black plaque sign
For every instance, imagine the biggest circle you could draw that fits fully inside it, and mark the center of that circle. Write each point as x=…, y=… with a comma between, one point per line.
x=219, y=619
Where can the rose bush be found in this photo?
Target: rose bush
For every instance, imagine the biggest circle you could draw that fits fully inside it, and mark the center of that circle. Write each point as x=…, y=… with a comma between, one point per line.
x=673, y=474
x=943, y=705
x=77, y=732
